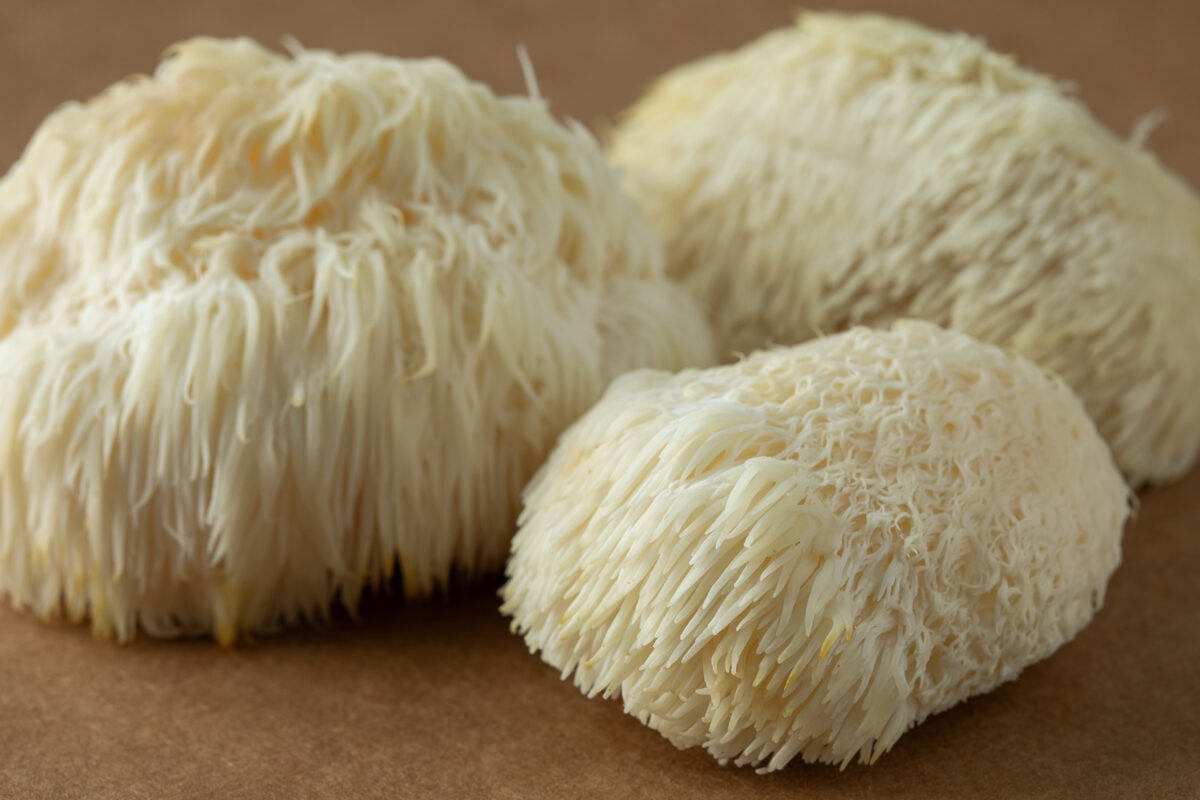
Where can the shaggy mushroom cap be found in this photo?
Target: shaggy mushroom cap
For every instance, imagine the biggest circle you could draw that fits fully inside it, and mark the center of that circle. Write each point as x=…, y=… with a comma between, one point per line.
x=858, y=169
x=812, y=550
x=271, y=326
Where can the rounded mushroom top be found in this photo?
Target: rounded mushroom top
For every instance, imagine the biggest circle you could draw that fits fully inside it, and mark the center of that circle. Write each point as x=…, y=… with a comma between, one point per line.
x=811, y=550
x=234, y=162
x=856, y=169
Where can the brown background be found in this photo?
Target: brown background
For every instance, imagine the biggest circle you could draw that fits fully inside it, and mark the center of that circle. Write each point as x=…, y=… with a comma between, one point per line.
x=437, y=699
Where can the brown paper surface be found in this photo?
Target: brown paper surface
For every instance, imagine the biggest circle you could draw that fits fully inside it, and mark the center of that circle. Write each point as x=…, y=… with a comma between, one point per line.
x=436, y=699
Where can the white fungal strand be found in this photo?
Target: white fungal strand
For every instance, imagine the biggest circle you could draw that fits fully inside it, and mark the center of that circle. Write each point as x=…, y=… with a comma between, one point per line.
x=808, y=552
x=271, y=326
x=858, y=169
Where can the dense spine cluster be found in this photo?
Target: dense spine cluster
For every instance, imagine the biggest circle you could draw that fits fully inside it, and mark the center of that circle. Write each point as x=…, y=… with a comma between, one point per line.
x=856, y=170
x=810, y=551
x=272, y=326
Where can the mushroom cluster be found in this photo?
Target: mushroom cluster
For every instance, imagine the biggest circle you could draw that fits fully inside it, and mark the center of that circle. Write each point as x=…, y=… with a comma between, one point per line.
x=273, y=327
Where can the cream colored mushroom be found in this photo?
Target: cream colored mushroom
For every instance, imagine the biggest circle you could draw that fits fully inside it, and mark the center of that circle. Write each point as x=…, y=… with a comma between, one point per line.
x=858, y=169
x=810, y=551
x=271, y=326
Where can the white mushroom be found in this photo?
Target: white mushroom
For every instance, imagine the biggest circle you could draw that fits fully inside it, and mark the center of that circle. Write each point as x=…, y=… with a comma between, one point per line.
x=858, y=169
x=270, y=326
x=812, y=550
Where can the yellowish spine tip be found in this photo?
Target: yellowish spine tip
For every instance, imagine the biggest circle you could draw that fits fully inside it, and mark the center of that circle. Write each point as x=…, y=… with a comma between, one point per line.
x=829, y=640
x=226, y=634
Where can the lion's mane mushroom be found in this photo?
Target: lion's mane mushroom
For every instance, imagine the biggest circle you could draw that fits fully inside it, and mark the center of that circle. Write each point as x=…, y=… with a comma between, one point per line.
x=810, y=551
x=857, y=169
x=270, y=326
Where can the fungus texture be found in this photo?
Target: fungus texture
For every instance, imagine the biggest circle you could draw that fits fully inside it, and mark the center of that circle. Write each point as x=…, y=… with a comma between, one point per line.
x=271, y=326
x=812, y=550
x=857, y=170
